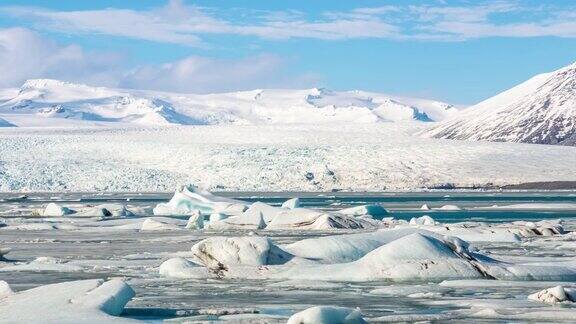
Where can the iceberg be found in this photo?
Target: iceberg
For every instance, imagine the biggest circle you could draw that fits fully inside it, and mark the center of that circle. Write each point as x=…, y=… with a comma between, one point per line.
x=188, y=199
x=222, y=252
x=375, y=211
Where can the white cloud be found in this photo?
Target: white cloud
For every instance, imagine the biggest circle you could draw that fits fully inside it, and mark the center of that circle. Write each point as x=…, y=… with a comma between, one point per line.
x=202, y=75
x=186, y=24
x=24, y=54
x=182, y=24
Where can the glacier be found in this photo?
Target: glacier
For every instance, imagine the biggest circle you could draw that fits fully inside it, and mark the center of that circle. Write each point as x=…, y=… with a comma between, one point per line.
x=295, y=157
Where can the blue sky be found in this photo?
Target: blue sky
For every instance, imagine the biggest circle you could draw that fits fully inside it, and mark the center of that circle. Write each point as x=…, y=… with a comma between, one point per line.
x=457, y=51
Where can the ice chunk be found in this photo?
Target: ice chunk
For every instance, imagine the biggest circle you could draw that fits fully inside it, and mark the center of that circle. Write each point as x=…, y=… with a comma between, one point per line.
x=43, y=264
x=302, y=218
x=476, y=232
x=554, y=295
x=425, y=207
x=327, y=315
x=218, y=252
x=4, y=251
x=541, y=228
x=196, y=220
x=33, y=227
x=449, y=207
x=5, y=289
x=53, y=209
x=216, y=217
x=94, y=212
x=268, y=212
x=417, y=256
x=181, y=268
x=150, y=224
x=106, y=210
x=110, y=297
x=375, y=211
x=423, y=220
x=291, y=203
x=92, y=301
x=244, y=221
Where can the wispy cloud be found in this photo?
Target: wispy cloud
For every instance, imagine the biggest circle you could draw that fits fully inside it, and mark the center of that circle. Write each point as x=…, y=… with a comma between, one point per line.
x=199, y=74
x=184, y=24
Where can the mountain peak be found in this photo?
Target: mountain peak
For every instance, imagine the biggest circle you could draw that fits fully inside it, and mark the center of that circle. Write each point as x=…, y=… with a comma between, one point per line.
x=541, y=110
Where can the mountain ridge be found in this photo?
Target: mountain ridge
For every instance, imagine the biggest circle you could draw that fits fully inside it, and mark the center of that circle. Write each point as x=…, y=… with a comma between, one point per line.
x=54, y=99
x=541, y=110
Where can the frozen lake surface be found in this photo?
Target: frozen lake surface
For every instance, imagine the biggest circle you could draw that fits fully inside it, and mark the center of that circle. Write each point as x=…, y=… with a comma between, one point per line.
x=136, y=256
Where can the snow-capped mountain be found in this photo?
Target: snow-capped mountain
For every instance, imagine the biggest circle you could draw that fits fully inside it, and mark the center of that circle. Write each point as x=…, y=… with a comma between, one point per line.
x=541, y=110
x=51, y=100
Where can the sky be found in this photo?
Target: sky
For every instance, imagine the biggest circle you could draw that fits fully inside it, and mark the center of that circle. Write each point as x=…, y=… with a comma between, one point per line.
x=460, y=52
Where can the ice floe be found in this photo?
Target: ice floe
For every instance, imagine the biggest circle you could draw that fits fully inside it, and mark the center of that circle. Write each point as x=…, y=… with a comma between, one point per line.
x=42, y=264
x=151, y=224
x=86, y=301
x=327, y=315
x=533, y=206
x=105, y=210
